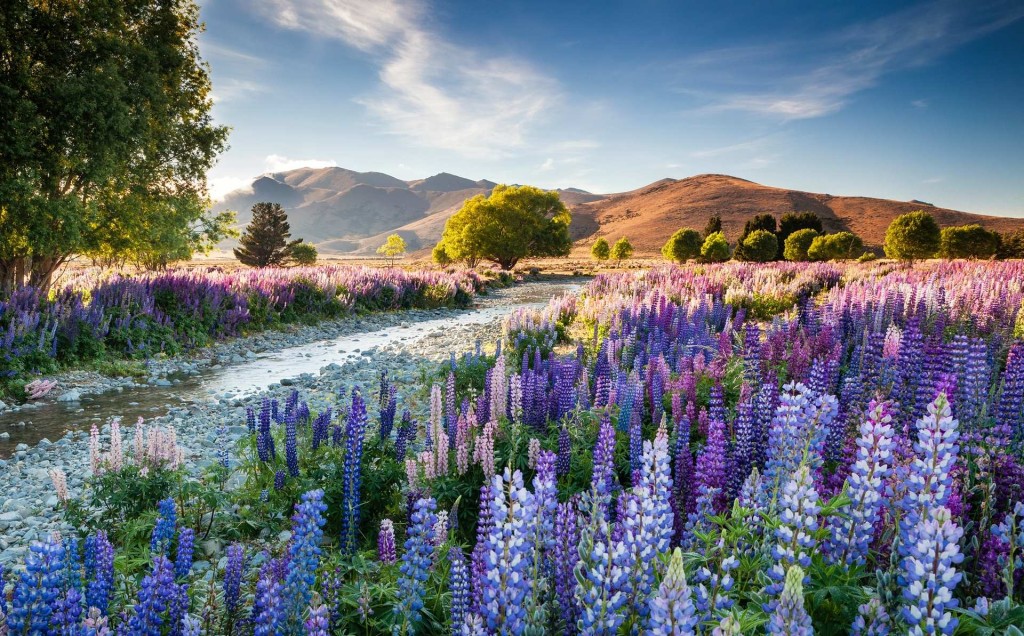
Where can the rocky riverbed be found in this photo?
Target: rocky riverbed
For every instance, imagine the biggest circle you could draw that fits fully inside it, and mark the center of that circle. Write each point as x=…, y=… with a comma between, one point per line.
x=28, y=505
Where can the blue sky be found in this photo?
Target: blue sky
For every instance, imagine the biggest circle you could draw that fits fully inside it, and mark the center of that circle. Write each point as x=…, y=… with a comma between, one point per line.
x=919, y=100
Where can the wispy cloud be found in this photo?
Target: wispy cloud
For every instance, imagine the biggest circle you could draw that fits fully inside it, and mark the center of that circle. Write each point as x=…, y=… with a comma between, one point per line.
x=222, y=186
x=231, y=89
x=919, y=103
x=435, y=92
x=279, y=163
x=816, y=77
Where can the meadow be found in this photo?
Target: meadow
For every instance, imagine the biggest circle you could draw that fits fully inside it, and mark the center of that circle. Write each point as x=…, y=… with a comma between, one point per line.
x=790, y=448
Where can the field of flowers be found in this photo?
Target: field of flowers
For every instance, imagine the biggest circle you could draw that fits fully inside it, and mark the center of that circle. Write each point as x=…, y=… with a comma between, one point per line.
x=96, y=314
x=734, y=449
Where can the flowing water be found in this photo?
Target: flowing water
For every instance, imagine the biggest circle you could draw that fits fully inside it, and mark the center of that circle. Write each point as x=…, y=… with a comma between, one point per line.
x=52, y=419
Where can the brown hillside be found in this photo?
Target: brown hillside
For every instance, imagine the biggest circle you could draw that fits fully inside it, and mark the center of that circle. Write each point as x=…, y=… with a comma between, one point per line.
x=649, y=215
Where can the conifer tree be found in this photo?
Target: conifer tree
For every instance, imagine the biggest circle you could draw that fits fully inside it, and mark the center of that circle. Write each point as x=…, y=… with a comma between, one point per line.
x=265, y=241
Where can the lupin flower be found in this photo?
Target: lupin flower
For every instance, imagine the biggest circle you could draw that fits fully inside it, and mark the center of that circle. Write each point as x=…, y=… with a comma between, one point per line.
x=483, y=450
x=603, y=476
x=304, y=554
x=163, y=531
x=928, y=483
x=279, y=480
x=711, y=463
x=565, y=556
x=671, y=609
x=505, y=586
x=929, y=574
x=60, y=484
x=36, y=594
x=268, y=607
x=797, y=435
x=291, y=448
x=317, y=622
x=183, y=553
x=798, y=521
x=351, y=498
x=440, y=532
x=264, y=438
x=600, y=575
x=533, y=452
x=386, y=542
x=191, y=626
x=459, y=584
x=563, y=465
x=872, y=620
x=713, y=586
x=419, y=550
x=99, y=571
x=729, y=626
x=790, y=618
x=853, y=529
x=234, y=570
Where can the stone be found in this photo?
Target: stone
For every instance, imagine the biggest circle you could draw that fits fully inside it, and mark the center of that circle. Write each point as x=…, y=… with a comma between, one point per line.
x=73, y=395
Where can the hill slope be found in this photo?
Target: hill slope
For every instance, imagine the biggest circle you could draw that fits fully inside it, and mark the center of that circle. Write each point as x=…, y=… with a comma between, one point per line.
x=346, y=211
x=649, y=215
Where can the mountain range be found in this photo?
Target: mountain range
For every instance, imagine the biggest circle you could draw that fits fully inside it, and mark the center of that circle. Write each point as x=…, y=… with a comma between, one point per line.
x=344, y=211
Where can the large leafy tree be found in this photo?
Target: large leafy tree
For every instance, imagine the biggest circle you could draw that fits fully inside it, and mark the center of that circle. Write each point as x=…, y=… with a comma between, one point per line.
x=622, y=250
x=392, y=248
x=265, y=242
x=600, y=249
x=682, y=246
x=968, y=241
x=912, y=236
x=760, y=246
x=107, y=134
x=512, y=223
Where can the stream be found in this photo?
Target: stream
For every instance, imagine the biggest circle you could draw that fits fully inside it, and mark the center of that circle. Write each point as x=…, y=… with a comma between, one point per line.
x=51, y=420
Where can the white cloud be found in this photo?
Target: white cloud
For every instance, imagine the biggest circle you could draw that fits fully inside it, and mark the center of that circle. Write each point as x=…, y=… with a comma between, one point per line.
x=813, y=78
x=231, y=89
x=437, y=93
x=919, y=103
x=279, y=163
x=222, y=186
x=548, y=164
x=933, y=180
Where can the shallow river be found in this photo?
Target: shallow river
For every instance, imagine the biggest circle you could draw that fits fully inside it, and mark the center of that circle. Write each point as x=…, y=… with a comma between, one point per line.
x=52, y=419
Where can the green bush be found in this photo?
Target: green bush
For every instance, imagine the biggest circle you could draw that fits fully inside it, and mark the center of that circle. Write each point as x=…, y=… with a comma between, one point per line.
x=760, y=246
x=622, y=249
x=600, y=249
x=682, y=246
x=838, y=246
x=912, y=236
x=968, y=241
x=715, y=248
x=304, y=254
x=798, y=243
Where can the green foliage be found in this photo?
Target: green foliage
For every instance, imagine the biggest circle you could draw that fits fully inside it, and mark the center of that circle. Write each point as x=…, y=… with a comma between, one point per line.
x=392, y=248
x=715, y=249
x=760, y=246
x=713, y=225
x=912, y=236
x=1011, y=245
x=622, y=249
x=600, y=249
x=107, y=135
x=867, y=257
x=798, y=243
x=512, y=223
x=682, y=246
x=304, y=254
x=115, y=498
x=968, y=241
x=265, y=241
x=794, y=222
x=838, y=246
x=440, y=255
x=765, y=222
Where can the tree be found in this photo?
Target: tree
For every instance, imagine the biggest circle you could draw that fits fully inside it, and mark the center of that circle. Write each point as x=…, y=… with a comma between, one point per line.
x=512, y=223
x=912, y=236
x=1011, y=245
x=107, y=135
x=715, y=248
x=622, y=250
x=765, y=222
x=265, y=241
x=682, y=246
x=600, y=249
x=440, y=255
x=968, y=241
x=797, y=244
x=760, y=246
x=838, y=246
x=304, y=254
x=793, y=222
x=392, y=248
x=714, y=224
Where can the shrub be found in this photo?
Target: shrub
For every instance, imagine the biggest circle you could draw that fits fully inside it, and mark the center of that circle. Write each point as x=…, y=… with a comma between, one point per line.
x=838, y=246
x=764, y=222
x=600, y=249
x=968, y=241
x=912, y=236
x=682, y=246
x=715, y=248
x=798, y=243
x=760, y=246
x=304, y=254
